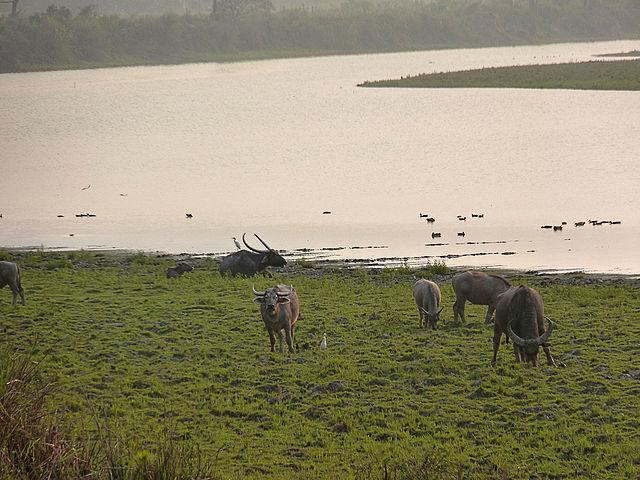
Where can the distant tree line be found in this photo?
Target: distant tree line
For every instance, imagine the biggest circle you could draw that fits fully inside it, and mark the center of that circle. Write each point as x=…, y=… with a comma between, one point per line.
x=239, y=29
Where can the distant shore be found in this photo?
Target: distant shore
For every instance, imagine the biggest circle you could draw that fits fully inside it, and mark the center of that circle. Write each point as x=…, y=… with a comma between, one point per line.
x=594, y=75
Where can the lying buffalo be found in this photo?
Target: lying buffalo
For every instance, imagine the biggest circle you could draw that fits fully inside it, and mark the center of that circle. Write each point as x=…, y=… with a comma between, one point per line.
x=479, y=289
x=427, y=296
x=280, y=308
x=244, y=262
x=178, y=270
x=10, y=275
x=520, y=315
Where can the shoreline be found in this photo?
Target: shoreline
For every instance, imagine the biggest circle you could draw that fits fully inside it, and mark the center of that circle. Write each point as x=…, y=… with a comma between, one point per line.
x=299, y=264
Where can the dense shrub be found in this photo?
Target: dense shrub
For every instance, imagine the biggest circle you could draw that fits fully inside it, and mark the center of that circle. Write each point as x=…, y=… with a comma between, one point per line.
x=57, y=39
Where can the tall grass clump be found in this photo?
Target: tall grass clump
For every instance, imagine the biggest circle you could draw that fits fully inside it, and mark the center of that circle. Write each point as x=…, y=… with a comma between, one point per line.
x=33, y=444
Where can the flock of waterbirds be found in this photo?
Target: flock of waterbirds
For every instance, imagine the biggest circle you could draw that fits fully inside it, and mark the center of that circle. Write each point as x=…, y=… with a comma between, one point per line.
x=556, y=228
x=462, y=218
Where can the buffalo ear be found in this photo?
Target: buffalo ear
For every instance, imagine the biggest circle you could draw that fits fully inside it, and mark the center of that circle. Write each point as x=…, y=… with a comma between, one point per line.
x=284, y=300
x=259, y=300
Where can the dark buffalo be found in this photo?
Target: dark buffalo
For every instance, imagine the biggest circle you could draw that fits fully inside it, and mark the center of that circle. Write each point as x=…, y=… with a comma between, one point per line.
x=280, y=308
x=520, y=315
x=10, y=275
x=248, y=263
x=479, y=289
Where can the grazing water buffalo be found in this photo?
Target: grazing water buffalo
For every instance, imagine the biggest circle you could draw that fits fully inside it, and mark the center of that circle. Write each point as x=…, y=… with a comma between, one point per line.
x=250, y=263
x=479, y=289
x=280, y=308
x=10, y=275
x=520, y=315
x=427, y=296
x=178, y=270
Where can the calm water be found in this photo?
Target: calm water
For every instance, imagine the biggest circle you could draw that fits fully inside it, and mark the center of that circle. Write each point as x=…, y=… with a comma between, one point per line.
x=268, y=146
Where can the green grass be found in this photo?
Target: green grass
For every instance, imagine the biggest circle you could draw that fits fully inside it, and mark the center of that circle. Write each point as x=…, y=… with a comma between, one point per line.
x=127, y=345
x=599, y=75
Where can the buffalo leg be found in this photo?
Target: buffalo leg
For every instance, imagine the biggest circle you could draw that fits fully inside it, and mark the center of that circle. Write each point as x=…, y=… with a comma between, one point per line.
x=490, y=311
x=458, y=310
x=289, y=335
x=17, y=290
x=421, y=324
x=517, y=353
x=461, y=310
x=547, y=352
x=280, y=338
x=272, y=339
x=497, y=334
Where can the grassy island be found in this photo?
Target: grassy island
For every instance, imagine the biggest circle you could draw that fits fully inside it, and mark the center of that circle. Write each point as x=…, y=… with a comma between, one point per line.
x=596, y=75
x=148, y=376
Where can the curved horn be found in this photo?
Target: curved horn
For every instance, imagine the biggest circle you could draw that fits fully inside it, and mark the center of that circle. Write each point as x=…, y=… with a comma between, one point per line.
x=543, y=338
x=285, y=294
x=516, y=339
x=247, y=245
x=255, y=292
x=263, y=242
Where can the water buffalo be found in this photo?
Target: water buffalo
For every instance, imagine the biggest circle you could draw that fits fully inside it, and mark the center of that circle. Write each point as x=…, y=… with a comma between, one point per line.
x=10, y=275
x=427, y=296
x=249, y=263
x=520, y=315
x=479, y=289
x=178, y=270
x=280, y=308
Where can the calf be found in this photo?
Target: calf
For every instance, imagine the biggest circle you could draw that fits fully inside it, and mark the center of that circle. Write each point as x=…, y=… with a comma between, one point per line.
x=280, y=308
x=520, y=315
x=427, y=296
x=10, y=275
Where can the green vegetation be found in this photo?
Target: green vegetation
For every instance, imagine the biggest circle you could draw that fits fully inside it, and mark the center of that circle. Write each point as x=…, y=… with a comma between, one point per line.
x=136, y=357
x=601, y=75
x=58, y=39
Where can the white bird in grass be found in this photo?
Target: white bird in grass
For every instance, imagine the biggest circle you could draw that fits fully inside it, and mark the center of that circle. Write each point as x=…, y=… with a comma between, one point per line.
x=238, y=246
x=323, y=343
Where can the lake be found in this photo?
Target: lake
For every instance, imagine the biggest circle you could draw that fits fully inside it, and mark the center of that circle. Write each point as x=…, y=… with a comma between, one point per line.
x=269, y=146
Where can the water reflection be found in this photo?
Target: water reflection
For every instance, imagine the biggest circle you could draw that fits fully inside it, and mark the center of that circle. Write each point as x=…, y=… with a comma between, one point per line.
x=270, y=146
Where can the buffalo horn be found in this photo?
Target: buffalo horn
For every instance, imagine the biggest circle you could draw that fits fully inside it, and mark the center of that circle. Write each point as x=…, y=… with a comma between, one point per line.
x=263, y=242
x=521, y=342
x=543, y=338
x=255, y=292
x=286, y=294
x=250, y=248
x=516, y=339
x=427, y=311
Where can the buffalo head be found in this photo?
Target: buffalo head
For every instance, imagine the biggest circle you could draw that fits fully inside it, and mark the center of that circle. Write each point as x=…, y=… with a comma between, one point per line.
x=270, y=256
x=271, y=297
x=432, y=317
x=530, y=347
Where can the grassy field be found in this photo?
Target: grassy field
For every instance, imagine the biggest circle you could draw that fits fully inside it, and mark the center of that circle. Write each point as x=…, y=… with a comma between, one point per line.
x=146, y=356
x=598, y=75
